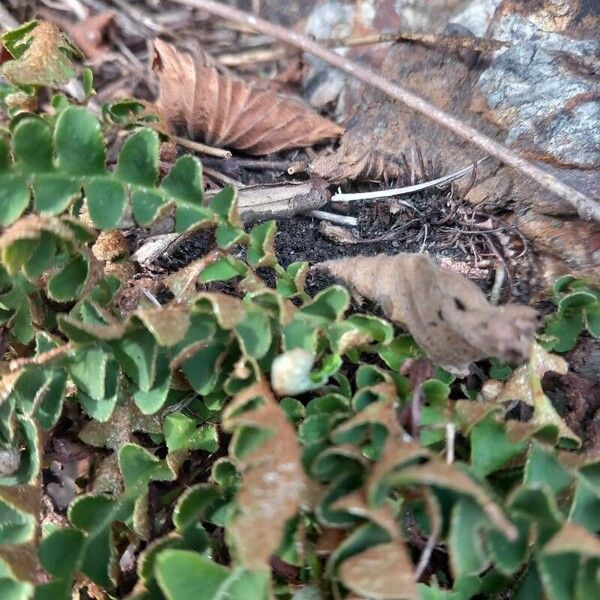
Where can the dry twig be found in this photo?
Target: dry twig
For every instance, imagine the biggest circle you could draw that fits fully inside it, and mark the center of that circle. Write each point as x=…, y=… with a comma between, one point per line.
x=586, y=207
x=201, y=148
x=334, y=218
x=471, y=43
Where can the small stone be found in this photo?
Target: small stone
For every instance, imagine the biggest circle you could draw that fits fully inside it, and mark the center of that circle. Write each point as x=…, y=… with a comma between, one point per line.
x=10, y=460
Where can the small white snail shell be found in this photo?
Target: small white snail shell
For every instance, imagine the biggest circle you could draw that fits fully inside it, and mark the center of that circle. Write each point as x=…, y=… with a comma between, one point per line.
x=290, y=372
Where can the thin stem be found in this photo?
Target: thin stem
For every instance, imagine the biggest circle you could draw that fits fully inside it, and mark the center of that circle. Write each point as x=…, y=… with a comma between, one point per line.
x=410, y=189
x=202, y=148
x=425, y=557
x=472, y=43
x=498, y=283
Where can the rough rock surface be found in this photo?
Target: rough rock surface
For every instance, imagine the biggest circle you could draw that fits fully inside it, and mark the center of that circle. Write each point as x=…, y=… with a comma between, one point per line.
x=341, y=18
x=544, y=90
x=476, y=16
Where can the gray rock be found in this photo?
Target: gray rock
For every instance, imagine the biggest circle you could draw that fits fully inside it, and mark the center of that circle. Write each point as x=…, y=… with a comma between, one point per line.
x=476, y=16
x=543, y=90
x=323, y=84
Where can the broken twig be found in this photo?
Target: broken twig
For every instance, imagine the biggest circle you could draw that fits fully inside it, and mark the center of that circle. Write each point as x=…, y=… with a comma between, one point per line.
x=262, y=202
x=334, y=218
x=201, y=148
x=255, y=56
x=586, y=207
x=471, y=43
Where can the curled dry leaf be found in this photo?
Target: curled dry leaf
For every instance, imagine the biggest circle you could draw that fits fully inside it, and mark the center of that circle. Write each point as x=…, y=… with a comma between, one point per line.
x=222, y=110
x=46, y=59
x=273, y=480
x=390, y=561
x=447, y=314
x=526, y=385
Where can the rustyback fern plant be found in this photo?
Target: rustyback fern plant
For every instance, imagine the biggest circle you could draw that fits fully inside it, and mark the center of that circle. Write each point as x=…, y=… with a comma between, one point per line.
x=216, y=485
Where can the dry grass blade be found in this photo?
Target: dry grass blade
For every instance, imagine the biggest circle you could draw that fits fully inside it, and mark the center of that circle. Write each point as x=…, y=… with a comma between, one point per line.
x=273, y=481
x=222, y=110
x=447, y=314
x=409, y=189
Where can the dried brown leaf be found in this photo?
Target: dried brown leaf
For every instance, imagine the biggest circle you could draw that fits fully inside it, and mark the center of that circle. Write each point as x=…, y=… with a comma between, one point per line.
x=31, y=227
x=439, y=474
x=47, y=61
x=384, y=571
x=526, y=385
x=382, y=412
x=351, y=162
x=573, y=539
x=228, y=310
x=168, y=325
x=182, y=283
x=447, y=314
x=221, y=110
x=22, y=559
x=273, y=480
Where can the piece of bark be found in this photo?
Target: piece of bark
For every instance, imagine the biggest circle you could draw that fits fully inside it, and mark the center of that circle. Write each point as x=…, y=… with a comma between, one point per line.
x=156, y=246
x=222, y=110
x=338, y=234
x=447, y=314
